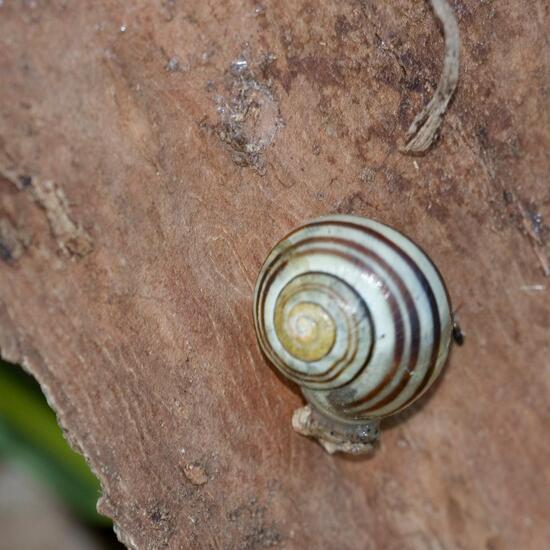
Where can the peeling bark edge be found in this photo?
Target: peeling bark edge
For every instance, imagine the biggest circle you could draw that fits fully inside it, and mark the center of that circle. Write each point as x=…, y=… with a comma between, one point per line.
x=423, y=130
x=13, y=349
x=73, y=440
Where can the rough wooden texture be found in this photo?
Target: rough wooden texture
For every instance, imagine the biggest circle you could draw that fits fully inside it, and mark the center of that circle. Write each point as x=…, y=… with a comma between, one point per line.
x=153, y=152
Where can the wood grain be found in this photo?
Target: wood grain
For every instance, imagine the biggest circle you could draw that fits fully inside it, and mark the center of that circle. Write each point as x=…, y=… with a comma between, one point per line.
x=182, y=168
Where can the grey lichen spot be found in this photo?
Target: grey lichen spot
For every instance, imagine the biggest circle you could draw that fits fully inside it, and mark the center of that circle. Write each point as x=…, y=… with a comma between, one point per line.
x=249, y=114
x=172, y=65
x=256, y=531
x=530, y=222
x=368, y=175
x=536, y=222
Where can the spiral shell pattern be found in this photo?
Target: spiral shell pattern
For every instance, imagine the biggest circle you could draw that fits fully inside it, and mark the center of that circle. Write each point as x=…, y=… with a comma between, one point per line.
x=356, y=314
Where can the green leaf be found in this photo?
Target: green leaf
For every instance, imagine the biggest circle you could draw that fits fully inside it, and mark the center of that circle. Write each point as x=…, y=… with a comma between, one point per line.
x=30, y=435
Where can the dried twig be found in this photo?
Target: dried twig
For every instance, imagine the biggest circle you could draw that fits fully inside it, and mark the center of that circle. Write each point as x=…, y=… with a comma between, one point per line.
x=423, y=130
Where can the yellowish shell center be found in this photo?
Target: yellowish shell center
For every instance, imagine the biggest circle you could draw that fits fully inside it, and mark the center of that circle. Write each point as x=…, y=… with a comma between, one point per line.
x=307, y=331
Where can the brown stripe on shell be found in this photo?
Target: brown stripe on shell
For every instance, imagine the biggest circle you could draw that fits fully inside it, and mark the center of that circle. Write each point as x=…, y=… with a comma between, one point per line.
x=345, y=357
x=396, y=313
x=272, y=355
x=350, y=360
x=431, y=299
x=427, y=375
x=414, y=323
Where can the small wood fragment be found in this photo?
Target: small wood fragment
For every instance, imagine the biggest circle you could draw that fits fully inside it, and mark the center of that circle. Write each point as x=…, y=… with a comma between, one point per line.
x=424, y=128
x=195, y=474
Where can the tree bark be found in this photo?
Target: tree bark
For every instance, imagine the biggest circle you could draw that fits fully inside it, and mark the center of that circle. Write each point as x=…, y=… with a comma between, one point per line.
x=152, y=153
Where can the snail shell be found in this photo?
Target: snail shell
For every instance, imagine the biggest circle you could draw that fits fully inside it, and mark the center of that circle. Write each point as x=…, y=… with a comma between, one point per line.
x=359, y=317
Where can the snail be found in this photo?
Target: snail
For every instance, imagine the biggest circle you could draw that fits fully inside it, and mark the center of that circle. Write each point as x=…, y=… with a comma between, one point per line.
x=359, y=317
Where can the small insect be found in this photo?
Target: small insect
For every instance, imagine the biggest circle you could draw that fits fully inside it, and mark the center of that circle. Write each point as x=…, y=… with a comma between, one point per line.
x=359, y=317
x=458, y=335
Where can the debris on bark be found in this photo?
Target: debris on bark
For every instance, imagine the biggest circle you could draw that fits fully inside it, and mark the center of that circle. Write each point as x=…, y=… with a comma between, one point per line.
x=531, y=223
x=249, y=112
x=424, y=128
x=195, y=474
x=72, y=239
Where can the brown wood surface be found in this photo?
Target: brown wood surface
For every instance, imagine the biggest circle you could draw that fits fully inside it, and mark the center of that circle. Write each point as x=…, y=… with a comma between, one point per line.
x=146, y=172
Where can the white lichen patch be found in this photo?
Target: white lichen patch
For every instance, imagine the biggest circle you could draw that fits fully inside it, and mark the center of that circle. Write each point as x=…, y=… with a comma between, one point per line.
x=249, y=114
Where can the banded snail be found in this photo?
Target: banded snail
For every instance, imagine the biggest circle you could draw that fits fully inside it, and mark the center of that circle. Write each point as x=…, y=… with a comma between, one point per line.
x=359, y=317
